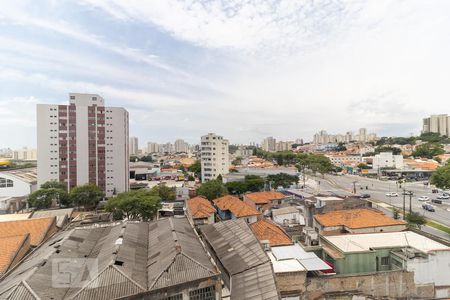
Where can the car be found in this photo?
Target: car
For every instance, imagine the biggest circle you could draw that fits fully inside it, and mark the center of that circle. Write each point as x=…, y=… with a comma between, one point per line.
x=364, y=196
x=437, y=201
x=443, y=196
x=428, y=207
x=407, y=193
x=423, y=198
x=391, y=194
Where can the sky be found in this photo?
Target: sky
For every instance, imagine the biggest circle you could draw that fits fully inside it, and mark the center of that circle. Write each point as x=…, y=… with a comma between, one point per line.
x=243, y=69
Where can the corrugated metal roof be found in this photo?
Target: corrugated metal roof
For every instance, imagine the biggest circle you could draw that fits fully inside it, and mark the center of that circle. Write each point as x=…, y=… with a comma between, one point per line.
x=309, y=260
x=62, y=215
x=257, y=283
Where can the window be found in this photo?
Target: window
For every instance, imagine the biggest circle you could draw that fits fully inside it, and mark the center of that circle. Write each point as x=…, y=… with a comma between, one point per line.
x=385, y=261
x=173, y=297
x=4, y=183
x=208, y=293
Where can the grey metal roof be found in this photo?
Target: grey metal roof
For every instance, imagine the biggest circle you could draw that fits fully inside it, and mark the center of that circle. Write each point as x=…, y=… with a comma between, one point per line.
x=235, y=245
x=127, y=259
x=243, y=258
x=258, y=283
x=62, y=215
x=309, y=260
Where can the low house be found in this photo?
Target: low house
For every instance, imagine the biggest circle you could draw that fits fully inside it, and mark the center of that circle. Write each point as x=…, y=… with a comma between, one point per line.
x=289, y=215
x=231, y=208
x=162, y=259
x=363, y=220
x=407, y=250
x=270, y=234
x=265, y=200
x=40, y=230
x=200, y=210
x=246, y=269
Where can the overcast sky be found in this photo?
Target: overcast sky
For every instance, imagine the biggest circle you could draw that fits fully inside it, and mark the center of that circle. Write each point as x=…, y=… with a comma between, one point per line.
x=243, y=69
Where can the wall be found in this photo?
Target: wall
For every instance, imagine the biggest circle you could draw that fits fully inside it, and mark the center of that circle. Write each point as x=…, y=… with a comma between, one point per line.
x=291, y=283
x=393, y=284
x=433, y=269
x=19, y=188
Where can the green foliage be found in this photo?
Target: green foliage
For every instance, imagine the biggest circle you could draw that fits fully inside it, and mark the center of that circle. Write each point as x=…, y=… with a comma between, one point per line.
x=88, y=195
x=164, y=192
x=282, y=158
x=396, y=213
x=191, y=178
x=415, y=219
x=134, y=158
x=428, y=150
x=251, y=183
x=282, y=179
x=212, y=189
x=396, y=140
x=441, y=177
x=53, y=184
x=146, y=158
x=340, y=147
x=196, y=168
x=363, y=166
x=44, y=198
x=237, y=161
x=317, y=163
x=232, y=148
x=236, y=187
x=432, y=137
x=136, y=204
x=394, y=150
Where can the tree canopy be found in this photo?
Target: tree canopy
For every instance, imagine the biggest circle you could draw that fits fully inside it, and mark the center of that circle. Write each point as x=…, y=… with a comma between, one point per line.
x=196, y=168
x=251, y=183
x=441, y=177
x=135, y=205
x=164, y=192
x=51, y=192
x=212, y=189
x=428, y=150
x=88, y=195
x=415, y=219
x=54, y=184
x=282, y=179
x=394, y=150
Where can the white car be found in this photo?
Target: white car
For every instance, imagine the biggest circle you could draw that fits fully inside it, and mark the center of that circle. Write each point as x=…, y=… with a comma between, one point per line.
x=443, y=196
x=423, y=198
x=392, y=194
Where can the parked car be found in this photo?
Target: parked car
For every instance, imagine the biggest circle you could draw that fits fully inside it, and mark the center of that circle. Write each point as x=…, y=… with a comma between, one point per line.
x=423, y=198
x=443, y=196
x=363, y=196
x=408, y=193
x=437, y=201
x=391, y=194
x=428, y=207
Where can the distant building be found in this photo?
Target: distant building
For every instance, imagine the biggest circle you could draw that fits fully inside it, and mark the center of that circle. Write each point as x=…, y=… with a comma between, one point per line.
x=269, y=144
x=262, y=201
x=214, y=158
x=437, y=124
x=387, y=160
x=152, y=147
x=134, y=145
x=25, y=154
x=83, y=142
x=181, y=146
x=270, y=233
x=363, y=135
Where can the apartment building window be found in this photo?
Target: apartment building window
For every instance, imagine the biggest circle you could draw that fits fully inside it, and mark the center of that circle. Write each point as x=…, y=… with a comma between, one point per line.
x=207, y=293
x=72, y=97
x=385, y=261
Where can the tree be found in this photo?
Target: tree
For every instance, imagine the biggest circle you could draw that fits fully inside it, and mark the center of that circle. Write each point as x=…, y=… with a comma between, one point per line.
x=237, y=161
x=363, y=166
x=282, y=179
x=212, y=189
x=236, y=187
x=394, y=150
x=146, y=158
x=340, y=147
x=191, y=178
x=415, y=219
x=134, y=158
x=254, y=183
x=196, y=168
x=441, y=177
x=54, y=184
x=42, y=198
x=88, y=195
x=428, y=150
x=315, y=162
x=164, y=192
x=396, y=213
x=136, y=204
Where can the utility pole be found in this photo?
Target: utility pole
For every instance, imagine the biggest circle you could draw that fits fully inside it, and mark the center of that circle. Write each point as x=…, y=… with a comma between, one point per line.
x=410, y=201
x=354, y=187
x=404, y=203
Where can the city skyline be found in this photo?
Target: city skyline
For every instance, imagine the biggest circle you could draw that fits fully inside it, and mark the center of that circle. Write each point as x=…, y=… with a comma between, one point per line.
x=182, y=69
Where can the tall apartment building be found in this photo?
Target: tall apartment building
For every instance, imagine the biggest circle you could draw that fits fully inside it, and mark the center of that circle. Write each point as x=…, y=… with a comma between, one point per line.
x=25, y=154
x=83, y=142
x=437, y=124
x=269, y=144
x=152, y=147
x=181, y=146
x=362, y=135
x=134, y=145
x=214, y=156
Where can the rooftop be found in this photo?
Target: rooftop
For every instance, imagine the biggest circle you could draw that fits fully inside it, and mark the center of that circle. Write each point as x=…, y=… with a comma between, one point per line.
x=369, y=241
x=200, y=207
x=264, y=197
x=9, y=249
x=284, y=210
x=309, y=260
x=62, y=215
x=37, y=228
x=235, y=206
x=356, y=218
x=28, y=175
x=14, y=217
x=267, y=230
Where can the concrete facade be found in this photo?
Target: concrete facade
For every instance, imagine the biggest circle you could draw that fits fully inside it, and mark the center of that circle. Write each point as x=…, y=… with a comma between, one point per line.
x=215, y=159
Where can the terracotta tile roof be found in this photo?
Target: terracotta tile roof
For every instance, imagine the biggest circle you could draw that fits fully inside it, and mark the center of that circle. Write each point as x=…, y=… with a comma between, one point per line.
x=9, y=249
x=356, y=218
x=37, y=228
x=267, y=230
x=200, y=207
x=235, y=206
x=264, y=197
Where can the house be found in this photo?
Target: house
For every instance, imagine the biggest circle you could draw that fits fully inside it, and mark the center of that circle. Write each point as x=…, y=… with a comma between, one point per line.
x=269, y=233
x=40, y=230
x=162, y=259
x=230, y=207
x=12, y=250
x=362, y=220
x=246, y=269
x=289, y=215
x=15, y=186
x=265, y=200
x=387, y=251
x=200, y=210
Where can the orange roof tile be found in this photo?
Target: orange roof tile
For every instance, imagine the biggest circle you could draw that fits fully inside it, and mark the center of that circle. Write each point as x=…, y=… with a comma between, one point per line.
x=37, y=228
x=264, y=197
x=200, y=207
x=267, y=230
x=235, y=206
x=356, y=218
x=9, y=249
